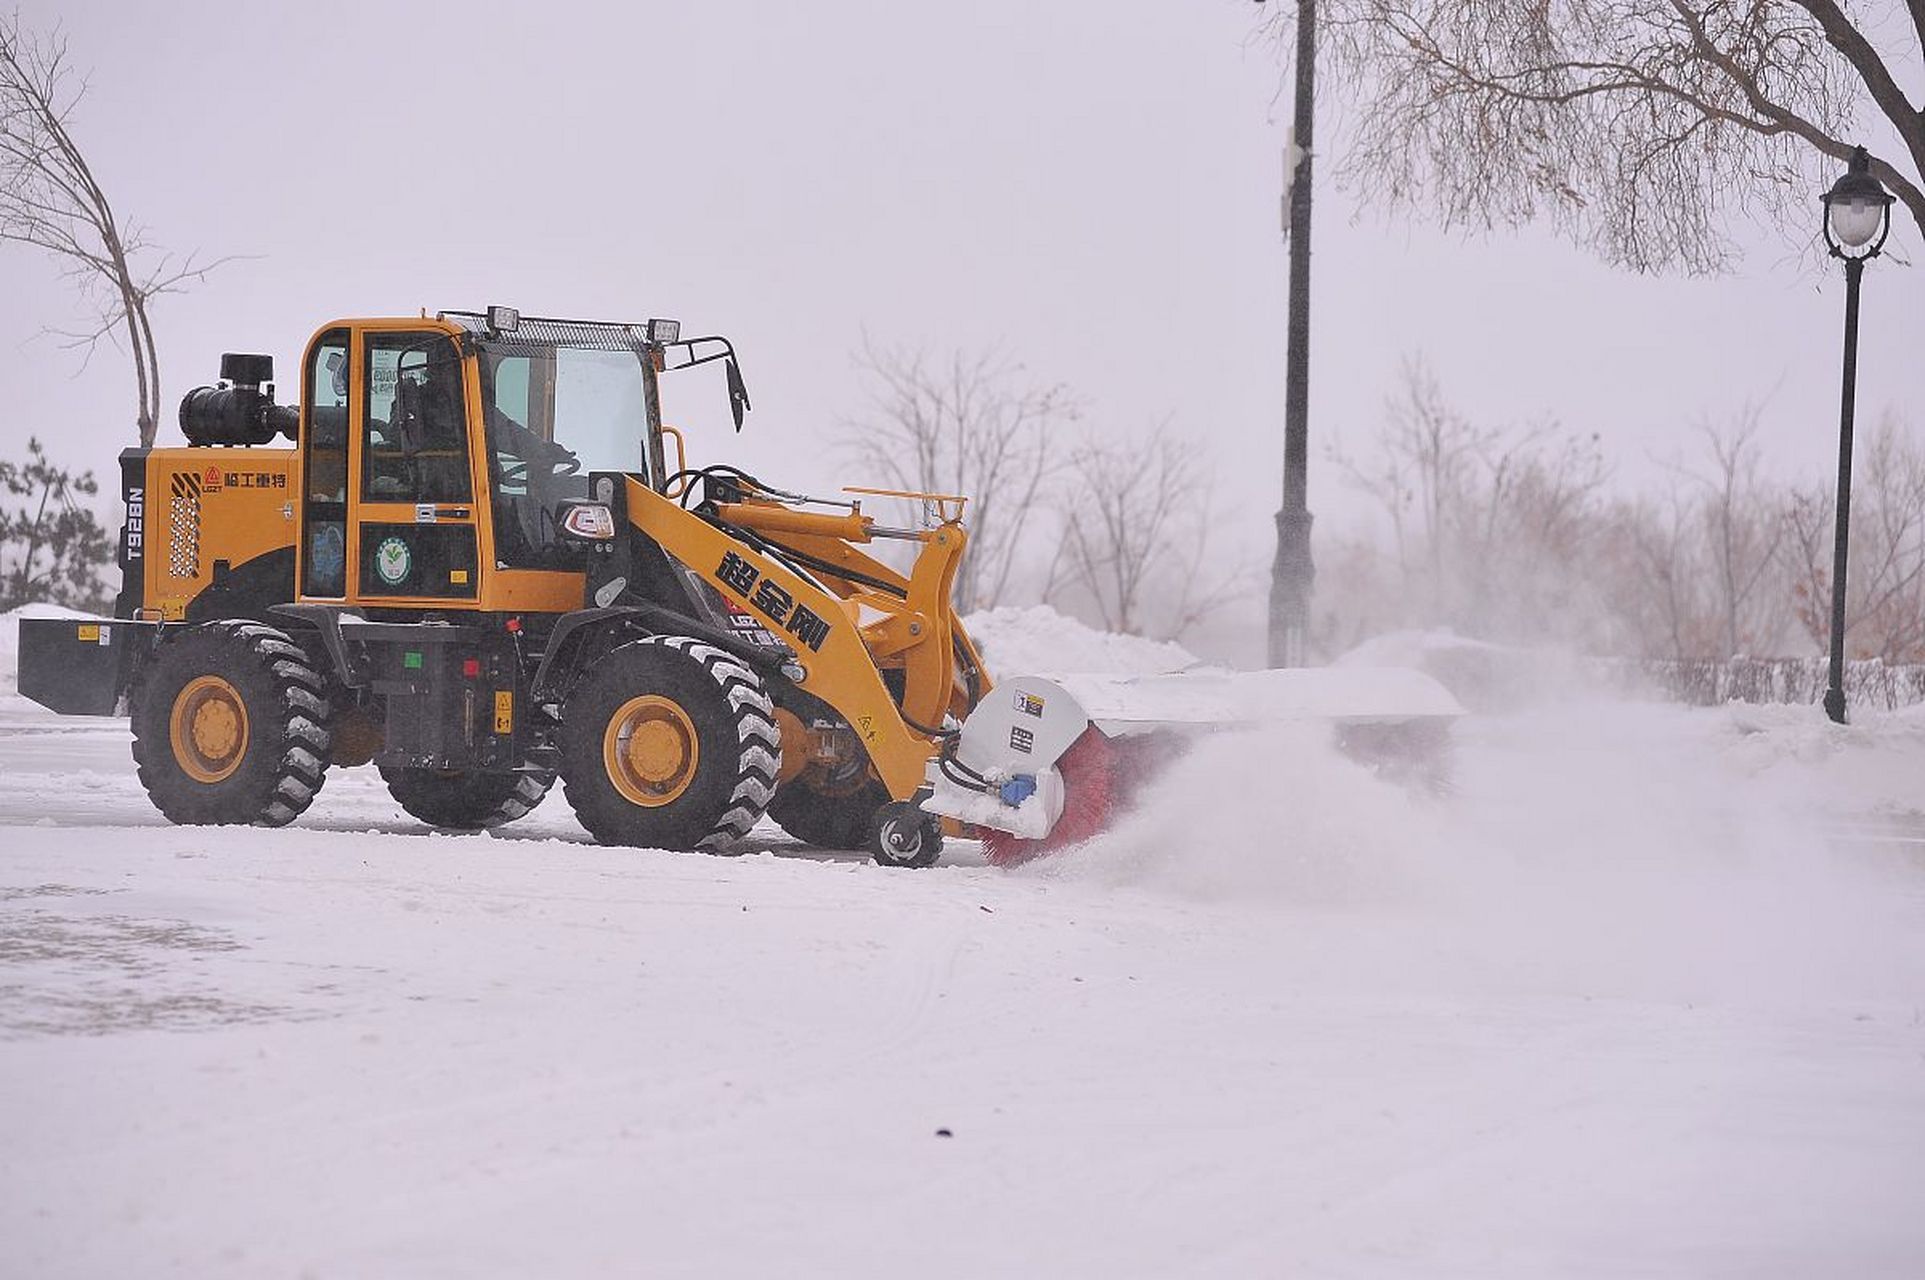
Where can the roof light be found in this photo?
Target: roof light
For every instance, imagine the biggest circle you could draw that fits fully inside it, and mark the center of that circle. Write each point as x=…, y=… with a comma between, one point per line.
x=663, y=332
x=504, y=319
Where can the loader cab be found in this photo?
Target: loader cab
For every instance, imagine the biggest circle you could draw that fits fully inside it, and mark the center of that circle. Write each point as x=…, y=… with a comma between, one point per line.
x=388, y=487
x=436, y=453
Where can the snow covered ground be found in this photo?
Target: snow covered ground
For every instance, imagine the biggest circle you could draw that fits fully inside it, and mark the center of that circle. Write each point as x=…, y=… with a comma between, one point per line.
x=1645, y=997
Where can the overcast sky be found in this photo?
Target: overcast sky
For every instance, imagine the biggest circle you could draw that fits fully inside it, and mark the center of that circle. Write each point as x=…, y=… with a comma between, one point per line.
x=1093, y=186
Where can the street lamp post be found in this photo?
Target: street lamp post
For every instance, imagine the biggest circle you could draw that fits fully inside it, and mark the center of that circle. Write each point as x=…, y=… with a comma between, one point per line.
x=1857, y=220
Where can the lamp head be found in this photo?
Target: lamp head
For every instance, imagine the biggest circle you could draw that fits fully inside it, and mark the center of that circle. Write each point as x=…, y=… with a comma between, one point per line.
x=1857, y=211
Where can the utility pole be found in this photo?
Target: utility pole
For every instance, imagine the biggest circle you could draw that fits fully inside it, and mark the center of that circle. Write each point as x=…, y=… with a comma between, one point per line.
x=1292, y=573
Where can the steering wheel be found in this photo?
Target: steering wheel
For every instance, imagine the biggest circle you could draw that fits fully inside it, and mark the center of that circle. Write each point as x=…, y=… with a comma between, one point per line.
x=516, y=470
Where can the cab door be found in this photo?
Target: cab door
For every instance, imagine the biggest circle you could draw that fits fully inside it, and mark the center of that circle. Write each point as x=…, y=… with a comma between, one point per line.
x=412, y=492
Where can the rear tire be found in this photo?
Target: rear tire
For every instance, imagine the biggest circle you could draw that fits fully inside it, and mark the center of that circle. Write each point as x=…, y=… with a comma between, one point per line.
x=465, y=799
x=231, y=726
x=669, y=743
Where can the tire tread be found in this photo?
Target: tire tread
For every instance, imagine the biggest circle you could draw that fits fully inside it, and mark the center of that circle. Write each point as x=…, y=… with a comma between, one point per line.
x=756, y=759
x=293, y=719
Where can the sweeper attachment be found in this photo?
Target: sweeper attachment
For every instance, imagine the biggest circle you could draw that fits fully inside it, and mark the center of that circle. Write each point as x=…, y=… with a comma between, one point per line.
x=1041, y=764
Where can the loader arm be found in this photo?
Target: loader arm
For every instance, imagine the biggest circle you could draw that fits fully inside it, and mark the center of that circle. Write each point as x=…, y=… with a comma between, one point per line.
x=835, y=663
x=907, y=621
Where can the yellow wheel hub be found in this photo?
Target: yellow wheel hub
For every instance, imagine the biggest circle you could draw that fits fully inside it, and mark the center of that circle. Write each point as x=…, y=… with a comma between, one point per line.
x=208, y=729
x=650, y=750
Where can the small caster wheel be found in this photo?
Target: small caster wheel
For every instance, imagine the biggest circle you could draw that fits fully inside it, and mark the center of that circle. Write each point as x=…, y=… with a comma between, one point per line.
x=904, y=836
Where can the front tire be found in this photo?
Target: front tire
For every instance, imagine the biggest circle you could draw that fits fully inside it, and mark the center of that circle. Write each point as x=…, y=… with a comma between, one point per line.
x=465, y=799
x=669, y=743
x=901, y=835
x=825, y=813
x=231, y=726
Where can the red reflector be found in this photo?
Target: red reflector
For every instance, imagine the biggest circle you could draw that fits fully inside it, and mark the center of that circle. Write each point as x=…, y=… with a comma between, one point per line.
x=471, y=667
x=514, y=624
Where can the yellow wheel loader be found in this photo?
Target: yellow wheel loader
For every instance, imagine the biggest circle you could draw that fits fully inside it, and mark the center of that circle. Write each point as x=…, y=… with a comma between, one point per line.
x=484, y=565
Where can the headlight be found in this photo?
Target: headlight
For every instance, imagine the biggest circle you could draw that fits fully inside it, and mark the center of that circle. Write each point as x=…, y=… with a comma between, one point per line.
x=588, y=520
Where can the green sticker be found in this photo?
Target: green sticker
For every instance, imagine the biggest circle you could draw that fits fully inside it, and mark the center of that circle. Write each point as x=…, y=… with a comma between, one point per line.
x=411, y=660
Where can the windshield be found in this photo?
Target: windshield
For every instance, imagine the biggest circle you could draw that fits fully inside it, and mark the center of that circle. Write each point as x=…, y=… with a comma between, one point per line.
x=592, y=403
x=553, y=414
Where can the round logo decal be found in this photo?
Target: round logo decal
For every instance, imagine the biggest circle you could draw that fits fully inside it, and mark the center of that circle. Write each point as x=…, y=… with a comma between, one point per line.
x=392, y=561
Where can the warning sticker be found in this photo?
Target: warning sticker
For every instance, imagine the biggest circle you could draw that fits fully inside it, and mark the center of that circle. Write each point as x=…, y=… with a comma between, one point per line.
x=1021, y=739
x=1029, y=704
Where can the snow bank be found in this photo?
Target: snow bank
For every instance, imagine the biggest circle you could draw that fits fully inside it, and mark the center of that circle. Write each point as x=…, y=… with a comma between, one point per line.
x=1872, y=768
x=10, y=637
x=1038, y=641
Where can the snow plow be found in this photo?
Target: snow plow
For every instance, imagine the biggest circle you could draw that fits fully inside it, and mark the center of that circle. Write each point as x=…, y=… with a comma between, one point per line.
x=1041, y=764
x=485, y=565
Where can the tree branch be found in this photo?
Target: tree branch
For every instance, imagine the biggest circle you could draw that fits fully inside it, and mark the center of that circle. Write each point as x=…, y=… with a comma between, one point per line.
x=1891, y=100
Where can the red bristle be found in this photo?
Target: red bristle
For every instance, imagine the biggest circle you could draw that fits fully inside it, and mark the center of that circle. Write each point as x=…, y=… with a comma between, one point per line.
x=1089, y=796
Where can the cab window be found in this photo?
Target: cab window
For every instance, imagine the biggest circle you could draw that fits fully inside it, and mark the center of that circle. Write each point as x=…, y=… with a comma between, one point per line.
x=415, y=446
x=325, y=467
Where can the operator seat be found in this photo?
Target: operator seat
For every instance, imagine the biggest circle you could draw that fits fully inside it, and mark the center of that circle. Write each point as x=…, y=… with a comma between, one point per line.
x=428, y=427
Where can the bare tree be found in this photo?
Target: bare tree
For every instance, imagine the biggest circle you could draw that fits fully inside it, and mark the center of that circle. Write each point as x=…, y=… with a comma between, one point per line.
x=1136, y=545
x=1491, y=526
x=1710, y=551
x=1662, y=597
x=967, y=425
x=1744, y=528
x=1636, y=126
x=51, y=199
x=1421, y=471
x=1510, y=535
x=1885, y=590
